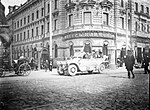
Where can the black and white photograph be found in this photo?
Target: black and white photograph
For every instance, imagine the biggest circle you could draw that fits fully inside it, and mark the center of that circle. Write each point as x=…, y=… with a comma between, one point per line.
x=74, y=54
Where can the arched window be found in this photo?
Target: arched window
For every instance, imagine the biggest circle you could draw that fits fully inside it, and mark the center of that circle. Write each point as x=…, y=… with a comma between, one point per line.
x=71, y=49
x=87, y=47
x=56, y=51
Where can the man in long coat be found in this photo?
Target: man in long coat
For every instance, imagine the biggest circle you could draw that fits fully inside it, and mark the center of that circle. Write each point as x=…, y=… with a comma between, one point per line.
x=129, y=63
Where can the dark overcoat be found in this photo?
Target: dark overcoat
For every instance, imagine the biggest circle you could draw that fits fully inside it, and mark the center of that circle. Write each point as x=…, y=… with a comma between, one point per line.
x=129, y=62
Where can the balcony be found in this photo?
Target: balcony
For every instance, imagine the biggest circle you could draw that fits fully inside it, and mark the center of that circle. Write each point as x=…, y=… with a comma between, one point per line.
x=141, y=13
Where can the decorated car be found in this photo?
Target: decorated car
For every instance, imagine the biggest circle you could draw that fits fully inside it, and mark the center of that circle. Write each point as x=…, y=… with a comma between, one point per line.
x=81, y=63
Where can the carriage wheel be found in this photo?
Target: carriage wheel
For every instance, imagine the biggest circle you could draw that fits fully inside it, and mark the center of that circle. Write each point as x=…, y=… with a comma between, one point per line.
x=24, y=69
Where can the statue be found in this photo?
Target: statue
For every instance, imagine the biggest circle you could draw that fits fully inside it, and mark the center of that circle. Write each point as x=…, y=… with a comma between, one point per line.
x=5, y=35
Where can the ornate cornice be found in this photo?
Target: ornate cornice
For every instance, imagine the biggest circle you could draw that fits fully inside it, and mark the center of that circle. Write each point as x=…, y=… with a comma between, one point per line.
x=69, y=6
x=106, y=4
x=89, y=3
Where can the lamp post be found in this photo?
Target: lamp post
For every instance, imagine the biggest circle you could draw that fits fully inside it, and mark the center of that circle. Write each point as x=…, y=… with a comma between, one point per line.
x=50, y=29
x=127, y=16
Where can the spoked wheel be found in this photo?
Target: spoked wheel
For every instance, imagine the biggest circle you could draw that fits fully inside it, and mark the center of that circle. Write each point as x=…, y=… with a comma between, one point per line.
x=72, y=70
x=24, y=69
x=101, y=68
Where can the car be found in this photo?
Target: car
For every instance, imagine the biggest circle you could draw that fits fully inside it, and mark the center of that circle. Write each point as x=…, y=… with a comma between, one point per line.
x=81, y=63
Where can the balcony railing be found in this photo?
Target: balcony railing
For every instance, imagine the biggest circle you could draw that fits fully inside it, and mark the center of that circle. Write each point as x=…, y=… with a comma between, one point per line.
x=141, y=13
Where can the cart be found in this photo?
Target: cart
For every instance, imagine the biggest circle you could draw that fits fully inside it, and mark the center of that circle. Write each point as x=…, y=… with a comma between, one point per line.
x=21, y=67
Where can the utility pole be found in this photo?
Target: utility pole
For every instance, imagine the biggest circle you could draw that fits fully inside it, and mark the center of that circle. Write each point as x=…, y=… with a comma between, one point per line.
x=50, y=29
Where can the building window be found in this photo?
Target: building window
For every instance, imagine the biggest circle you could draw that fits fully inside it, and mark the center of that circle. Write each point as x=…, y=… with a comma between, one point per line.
x=37, y=29
x=56, y=4
x=17, y=37
x=55, y=24
x=71, y=20
x=24, y=20
x=129, y=24
x=28, y=18
x=56, y=51
x=20, y=36
x=143, y=27
x=24, y=35
x=136, y=26
x=148, y=28
x=87, y=18
x=122, y=22
x=32, y=16
x=17, y=24
x=42, y=12
x=142, y=8
x=147, y=10
x=32, y=32
x=14, y=38
x=122, y=3
x=37, y=14
x=28, y=34
x=21, y=22
x=105, y=18
x=48, y=8
x=48, y=27
x=42, y=29
x=136, y=6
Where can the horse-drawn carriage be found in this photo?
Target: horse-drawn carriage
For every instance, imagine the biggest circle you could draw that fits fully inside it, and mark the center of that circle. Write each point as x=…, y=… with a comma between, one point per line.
x=21, y=66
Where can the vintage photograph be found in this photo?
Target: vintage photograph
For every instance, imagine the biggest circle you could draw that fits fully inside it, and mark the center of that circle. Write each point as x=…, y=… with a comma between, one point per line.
x=74, y=54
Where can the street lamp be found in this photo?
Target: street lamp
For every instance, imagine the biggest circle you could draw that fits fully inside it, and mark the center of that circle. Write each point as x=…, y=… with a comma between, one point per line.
x=127, y=12
x=50, y=29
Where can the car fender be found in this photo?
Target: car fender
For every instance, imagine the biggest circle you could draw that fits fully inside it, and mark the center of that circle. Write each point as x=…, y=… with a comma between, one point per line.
x=76, y=65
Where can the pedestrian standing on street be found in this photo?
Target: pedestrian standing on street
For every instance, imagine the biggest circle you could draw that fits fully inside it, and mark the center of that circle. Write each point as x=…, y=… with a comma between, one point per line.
x=146, y=61
x=46, y=65
x=129, y=63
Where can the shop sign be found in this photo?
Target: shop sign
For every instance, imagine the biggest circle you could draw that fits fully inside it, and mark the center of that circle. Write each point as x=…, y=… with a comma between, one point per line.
x=88, y=34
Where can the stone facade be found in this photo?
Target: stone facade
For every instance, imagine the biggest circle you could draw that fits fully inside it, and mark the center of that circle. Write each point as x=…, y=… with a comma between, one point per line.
x=79, y=25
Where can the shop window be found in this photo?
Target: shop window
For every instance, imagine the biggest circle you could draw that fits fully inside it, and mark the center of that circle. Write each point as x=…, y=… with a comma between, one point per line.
x=87, y=48
x=71, y=49
x=139, y=55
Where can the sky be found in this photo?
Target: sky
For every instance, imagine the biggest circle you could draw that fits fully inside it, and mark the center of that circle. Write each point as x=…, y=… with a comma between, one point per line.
x=7, y=3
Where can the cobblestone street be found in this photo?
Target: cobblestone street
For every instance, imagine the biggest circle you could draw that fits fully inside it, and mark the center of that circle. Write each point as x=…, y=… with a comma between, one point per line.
x=41, y=90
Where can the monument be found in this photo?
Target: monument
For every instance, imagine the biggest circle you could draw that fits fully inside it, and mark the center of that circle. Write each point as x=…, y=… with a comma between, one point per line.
x=5, y=35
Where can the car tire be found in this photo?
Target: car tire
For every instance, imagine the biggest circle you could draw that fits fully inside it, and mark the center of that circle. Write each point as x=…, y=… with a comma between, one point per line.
x=101, y=68
x=72, y=70
x=60, y=71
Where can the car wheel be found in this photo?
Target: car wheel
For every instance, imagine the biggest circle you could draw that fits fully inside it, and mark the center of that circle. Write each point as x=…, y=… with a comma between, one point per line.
x=72, y=70
x=101, y=68
x=60, y=70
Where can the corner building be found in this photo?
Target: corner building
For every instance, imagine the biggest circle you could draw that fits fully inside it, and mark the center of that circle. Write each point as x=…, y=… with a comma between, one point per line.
x=80, y=26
